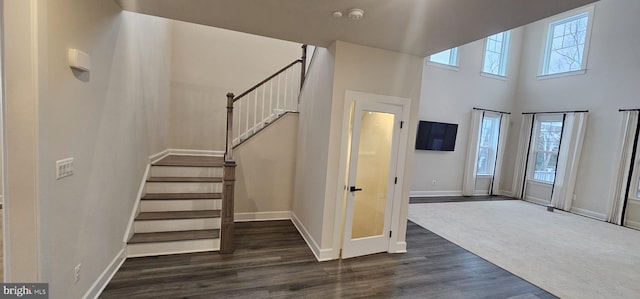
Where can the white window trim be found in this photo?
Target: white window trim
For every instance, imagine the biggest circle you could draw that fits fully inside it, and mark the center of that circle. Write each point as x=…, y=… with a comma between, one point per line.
x=453, y=67
x=534, y=138
x=589, y=9
x=506, y=46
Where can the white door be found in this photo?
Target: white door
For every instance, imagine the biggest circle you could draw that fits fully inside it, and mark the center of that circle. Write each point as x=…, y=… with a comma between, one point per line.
x=371, y=182
x=632, y=205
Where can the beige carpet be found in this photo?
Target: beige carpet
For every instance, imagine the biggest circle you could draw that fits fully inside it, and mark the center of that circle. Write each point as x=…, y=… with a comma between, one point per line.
x=568, y=255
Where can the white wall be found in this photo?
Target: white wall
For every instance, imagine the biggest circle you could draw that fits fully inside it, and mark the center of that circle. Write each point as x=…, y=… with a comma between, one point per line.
x=110, y=121
x=376, y=71
x=449, y=96
x=21, y=221
x=610, y=83
x=312, y=151
x=266, y=169
x=209, y=62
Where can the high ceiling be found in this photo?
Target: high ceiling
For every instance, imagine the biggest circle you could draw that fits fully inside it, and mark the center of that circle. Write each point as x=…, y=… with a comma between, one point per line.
x=419, y=27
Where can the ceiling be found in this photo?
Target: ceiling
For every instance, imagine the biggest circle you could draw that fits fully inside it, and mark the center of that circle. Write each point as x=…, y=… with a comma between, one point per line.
x=419, y=27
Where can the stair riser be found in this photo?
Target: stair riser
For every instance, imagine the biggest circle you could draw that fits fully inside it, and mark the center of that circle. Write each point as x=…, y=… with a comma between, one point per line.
x=163, y=187
x=152, y=226
x=178, y=171
x=164, y=248
x=180, y=205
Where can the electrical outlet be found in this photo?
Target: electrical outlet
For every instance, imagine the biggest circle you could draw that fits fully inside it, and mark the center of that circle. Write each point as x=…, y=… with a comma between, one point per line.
x=76, y=273
x=64, y=168
x=433, y=182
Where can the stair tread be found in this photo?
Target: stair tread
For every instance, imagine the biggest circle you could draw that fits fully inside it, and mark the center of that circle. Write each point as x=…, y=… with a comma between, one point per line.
x=178, y=215
x=185, y=179
x=174, y=236
x=178, y=196
x=190, y=161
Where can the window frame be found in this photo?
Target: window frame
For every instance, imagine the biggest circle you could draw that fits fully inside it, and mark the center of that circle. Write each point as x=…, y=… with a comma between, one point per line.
x=504, y=56
x=543, y=72
x=533, y=152
x=495, y=140
x=634, y=190
x=454, y=56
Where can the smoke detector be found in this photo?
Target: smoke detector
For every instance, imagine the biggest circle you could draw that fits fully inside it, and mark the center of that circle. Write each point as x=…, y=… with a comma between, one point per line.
x=355, y=14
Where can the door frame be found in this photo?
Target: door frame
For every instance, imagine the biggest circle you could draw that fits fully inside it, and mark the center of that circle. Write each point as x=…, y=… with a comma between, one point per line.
x=350, y=98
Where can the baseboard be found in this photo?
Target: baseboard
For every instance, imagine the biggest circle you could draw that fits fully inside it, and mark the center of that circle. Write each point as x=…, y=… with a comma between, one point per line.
x=398, y=247
x=506, y=193
x=632, y=224
x=98, y=286
x=190, y=152
x=262, y=216
x=481, y=193
x=134, y=212
x=587, y=213
x=320, y=254
x=159, y=156
x=538, y=201
x=434, y=193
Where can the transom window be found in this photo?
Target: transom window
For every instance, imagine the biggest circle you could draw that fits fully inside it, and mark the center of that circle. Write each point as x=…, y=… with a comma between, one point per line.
x=566, y=46
x=545, y=149
x=448, y=57
x=495, y=54
x=488, y=144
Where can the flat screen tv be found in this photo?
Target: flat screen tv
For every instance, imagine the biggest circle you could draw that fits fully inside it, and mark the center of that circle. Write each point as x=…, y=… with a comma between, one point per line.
x=435, y=136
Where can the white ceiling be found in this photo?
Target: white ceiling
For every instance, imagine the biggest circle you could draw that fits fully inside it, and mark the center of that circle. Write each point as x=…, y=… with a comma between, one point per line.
x=419, y=27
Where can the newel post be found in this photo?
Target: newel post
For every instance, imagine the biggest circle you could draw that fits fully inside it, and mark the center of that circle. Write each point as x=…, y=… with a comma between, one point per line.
x=227, y=228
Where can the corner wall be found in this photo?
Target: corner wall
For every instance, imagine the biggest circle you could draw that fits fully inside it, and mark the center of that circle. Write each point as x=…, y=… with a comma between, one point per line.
x=109, y=120
x=207, y=63
x=266, y=171
x=610, y=83
x=449, y=96
x=312, y=149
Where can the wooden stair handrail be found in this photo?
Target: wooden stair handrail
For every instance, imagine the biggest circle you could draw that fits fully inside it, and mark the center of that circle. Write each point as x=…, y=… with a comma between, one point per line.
x=267, y=80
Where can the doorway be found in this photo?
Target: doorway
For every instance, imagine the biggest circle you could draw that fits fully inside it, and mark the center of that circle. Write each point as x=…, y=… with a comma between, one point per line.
x=631, y=208
x=371, y=194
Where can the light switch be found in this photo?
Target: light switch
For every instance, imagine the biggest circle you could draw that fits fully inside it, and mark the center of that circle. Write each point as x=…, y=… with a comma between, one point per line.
x=64, y=168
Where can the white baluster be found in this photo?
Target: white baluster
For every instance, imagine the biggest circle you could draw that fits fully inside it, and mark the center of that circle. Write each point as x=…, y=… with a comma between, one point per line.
x=286, y=89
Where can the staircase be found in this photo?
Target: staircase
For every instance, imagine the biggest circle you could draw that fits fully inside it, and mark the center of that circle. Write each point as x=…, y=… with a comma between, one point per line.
x=181, y=210
x=188, y=200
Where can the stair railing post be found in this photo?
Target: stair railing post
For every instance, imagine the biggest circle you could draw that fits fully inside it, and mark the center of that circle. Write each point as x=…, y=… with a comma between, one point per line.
x=227, y=227
x=303, y=68
x=228, y=155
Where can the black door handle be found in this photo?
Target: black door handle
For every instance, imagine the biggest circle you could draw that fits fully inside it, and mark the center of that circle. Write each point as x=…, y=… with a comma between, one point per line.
x=354, y=189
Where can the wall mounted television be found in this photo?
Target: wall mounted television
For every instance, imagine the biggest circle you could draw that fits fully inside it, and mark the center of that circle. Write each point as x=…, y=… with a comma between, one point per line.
x=435, y=136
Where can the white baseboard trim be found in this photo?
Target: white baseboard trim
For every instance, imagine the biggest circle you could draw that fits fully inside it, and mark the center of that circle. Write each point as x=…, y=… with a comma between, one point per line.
x=320, y=254
x=190, y=152
x=398, y=247
x=159, y=156
x=506, y=193
x=434, y=193
x=98, y=286
x=590, y=214
x=262, y=216
x=632, y=224
x=136, y=206
x=538, y=201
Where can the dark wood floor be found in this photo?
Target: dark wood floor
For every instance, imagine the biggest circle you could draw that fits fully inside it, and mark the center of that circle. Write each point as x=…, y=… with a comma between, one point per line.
x=457, y=199
x=273, y=261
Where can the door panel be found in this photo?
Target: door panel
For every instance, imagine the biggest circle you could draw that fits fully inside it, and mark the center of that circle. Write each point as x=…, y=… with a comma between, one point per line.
x=372, y=165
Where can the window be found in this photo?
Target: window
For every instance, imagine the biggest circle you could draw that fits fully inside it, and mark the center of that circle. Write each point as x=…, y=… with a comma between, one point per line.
x=448, y=57
x=567, y=45
x=545, y=149
x=495, y=54
x=488, y=144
